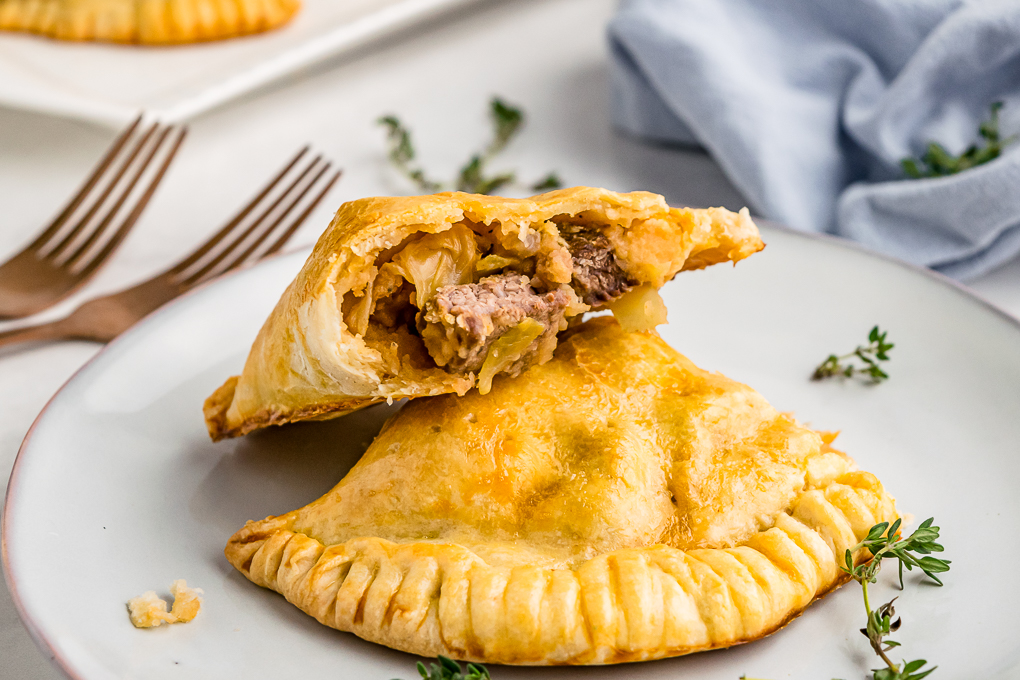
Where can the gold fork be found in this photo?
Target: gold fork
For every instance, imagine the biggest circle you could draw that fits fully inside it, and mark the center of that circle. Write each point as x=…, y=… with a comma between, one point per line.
x=63, y=258
x=241, y=241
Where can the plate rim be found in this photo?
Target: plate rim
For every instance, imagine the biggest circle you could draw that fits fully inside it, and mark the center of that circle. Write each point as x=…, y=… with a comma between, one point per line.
x=35, y=630
x=343, y=38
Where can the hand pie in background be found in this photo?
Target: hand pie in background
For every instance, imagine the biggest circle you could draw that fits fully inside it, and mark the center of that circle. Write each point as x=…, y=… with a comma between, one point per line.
x=150, y=22
x=614, y=504
x=426, y=295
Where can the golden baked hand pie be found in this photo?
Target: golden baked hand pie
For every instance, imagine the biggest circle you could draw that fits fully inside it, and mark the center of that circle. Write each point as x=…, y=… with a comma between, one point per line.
x=426, y=295
x=615, y=504
x=145, y=21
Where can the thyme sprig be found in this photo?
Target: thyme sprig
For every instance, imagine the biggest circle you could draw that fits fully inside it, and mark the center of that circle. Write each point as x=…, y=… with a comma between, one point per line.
x=885, y=542
x=938, y=162
x=402, y=152
x=870, y=355
x=507, y=121
x=448, y=669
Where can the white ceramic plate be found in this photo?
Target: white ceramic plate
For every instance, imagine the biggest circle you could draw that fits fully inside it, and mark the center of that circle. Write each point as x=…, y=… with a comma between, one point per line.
x=111, y=83
x=118, y=490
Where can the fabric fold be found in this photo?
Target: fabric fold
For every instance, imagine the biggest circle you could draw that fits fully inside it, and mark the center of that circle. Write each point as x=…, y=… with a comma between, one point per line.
x=809, y=109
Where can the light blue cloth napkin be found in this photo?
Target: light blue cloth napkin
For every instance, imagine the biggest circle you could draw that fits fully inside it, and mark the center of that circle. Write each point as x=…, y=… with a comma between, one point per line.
x=810, y=105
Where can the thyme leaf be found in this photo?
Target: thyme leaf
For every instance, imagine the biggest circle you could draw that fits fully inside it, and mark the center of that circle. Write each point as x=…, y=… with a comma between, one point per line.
x=938, y=162
x=448, y=669
x=550, y=181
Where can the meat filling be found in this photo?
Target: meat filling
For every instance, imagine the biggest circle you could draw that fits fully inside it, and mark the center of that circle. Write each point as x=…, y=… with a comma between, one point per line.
x=597, y=278
x=502, y=323
x=462, y=321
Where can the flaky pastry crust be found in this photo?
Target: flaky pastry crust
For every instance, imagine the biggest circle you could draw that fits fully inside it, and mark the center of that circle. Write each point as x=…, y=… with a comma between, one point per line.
x=615, y=504
x=153, y=22
x=309, y=361
x=148, y=610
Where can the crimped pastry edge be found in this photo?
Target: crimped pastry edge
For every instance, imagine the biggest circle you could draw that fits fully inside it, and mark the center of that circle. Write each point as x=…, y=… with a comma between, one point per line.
x=430, y=598
x=183, y=22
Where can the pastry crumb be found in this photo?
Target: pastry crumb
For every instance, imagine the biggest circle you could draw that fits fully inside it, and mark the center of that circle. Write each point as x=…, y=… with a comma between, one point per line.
x=148, y=610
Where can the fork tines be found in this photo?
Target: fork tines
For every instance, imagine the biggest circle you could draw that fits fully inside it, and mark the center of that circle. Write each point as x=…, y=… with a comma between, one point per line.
x=84, y=235
x=264, y=225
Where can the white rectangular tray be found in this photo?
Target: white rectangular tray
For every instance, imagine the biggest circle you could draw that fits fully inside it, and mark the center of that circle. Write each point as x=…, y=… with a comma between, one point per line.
x=110, y=84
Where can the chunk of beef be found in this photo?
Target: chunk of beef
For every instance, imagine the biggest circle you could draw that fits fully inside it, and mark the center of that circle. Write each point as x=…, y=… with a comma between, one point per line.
x=598, y=279
x=461, y=321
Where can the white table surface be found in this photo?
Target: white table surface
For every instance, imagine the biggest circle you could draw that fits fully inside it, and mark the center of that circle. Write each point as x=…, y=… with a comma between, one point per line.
x=549, y=56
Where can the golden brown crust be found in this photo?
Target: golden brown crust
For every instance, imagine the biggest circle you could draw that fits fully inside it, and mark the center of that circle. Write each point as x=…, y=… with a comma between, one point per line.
x=306, y=359
x=153, y=22
x=615, y=504
x=216, y=405
x=215, y=408
x=629, y=605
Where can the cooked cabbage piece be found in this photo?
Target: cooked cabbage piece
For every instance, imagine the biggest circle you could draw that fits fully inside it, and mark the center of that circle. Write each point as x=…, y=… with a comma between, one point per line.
x=507, y=349
x=438, y=260
x=642, y=309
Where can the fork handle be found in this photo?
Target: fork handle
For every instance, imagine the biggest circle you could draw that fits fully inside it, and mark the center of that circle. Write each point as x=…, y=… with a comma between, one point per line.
x=54, y=330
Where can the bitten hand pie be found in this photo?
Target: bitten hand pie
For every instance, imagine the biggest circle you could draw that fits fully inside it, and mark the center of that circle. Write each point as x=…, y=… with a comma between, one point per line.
x=157, y=22
x=426, y=295
x=614, y=504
